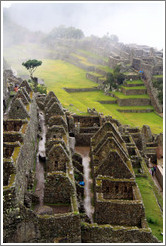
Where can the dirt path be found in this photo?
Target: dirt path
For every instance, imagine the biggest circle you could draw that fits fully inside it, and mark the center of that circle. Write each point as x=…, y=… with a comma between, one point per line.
x=40, y=164
x=84, y=152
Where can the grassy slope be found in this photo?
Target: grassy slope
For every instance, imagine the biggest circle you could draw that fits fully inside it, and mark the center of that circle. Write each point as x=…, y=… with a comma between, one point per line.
x=152, y=210
x=90, y=54
x=58, y=74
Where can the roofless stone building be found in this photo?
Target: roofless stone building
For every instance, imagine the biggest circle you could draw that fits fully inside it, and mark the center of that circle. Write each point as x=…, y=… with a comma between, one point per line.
x=119, y=215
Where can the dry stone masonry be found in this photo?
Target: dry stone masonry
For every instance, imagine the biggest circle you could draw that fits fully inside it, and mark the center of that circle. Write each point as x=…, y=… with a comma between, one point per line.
x=59, y=215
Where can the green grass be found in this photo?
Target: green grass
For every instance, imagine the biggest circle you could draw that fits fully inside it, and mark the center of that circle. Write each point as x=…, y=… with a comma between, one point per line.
x=58, y=74
x=82, y=59
x=135, y=82
x=86, y=62
x=93, y=96
x=152, y=210
x=96, y=74
x=158, y=76
x=105, y=68
x=122, y=96
x=90, y=54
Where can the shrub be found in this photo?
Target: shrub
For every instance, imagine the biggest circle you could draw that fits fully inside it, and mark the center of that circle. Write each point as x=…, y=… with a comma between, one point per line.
x=151, y=220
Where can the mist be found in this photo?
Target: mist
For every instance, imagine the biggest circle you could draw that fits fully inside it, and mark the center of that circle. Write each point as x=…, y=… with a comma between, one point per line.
x=133, y=22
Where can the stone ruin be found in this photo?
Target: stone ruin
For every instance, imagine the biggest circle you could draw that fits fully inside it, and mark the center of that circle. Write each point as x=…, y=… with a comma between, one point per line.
x=59, y=215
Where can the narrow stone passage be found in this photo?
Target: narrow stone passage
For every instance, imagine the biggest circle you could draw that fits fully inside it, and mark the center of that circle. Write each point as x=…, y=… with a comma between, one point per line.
x=40, y=160
x=84, y=152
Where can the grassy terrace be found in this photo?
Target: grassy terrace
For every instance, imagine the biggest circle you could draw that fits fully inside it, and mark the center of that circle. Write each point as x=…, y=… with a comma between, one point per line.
x=122, y=96
x=158, y=76
x=136, y=119
x=90, y=54
x=82, y=59
x=86, y=62
x=105, y=68
x=96, y=74
x=58, y=74
x=135, y=82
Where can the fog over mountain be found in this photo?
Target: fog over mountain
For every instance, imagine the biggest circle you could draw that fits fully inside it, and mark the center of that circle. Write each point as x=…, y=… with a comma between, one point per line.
x=133, y=22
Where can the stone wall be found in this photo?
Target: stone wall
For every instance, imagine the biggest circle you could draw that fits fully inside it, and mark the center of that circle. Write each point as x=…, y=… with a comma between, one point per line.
x=112, y=62
x=159, y=175
x=60, y=229
x=135, y=110
x=133, y=91
x=87, y=121
x=133, y=102
x=93, y=233
x=24, y=226
x=80, y=89
x=119, y=213
x=83, y=139
x=100, y=71
x=117, y=190
x=152, y=92
x=132, y=76
x=107, y=102
x=25, y=161
x=93, y=77
x=58, y=188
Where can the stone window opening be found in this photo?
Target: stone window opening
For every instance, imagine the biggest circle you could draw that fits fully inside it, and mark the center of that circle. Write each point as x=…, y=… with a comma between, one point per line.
x=125, y=189
x=56, y=164
x=116, y=188
x=17, y=107
x=107, y=189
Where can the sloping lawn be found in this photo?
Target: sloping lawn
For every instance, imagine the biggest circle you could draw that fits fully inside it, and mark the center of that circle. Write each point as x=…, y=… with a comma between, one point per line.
x=152, y=210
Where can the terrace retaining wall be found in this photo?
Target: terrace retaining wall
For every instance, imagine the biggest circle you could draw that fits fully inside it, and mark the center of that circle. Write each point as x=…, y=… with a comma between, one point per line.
x=133, y=102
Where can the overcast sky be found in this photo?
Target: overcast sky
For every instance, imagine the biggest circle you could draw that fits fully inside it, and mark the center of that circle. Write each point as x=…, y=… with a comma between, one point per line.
x=133, y=22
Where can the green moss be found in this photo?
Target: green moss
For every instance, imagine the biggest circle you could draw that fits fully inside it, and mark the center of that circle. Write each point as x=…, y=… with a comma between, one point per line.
x=28, y=107
x=11, y=181
x=23, y=128
x=158, y=76
x=16, y=153
x=31, y=94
